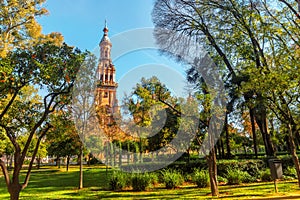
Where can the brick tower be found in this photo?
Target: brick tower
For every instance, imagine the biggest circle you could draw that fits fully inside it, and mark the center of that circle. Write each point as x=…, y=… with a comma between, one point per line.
x=107, y=86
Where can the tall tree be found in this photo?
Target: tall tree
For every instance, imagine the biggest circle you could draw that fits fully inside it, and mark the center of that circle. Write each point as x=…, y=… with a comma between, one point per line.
x=254, y=40
x=147, y=110
x=209, y=22
x=48, y=67
x=83, y=106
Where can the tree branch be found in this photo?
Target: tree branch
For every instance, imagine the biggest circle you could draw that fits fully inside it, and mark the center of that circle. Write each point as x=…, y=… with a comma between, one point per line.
x=291, y=7
x=5, y=172
x=24, y=185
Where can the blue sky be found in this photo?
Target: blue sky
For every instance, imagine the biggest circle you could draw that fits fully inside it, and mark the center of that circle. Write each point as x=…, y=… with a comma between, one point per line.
x=81, y=23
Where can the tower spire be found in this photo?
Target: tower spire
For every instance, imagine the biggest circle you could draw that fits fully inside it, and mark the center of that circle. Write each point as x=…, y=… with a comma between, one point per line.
x=105, y=30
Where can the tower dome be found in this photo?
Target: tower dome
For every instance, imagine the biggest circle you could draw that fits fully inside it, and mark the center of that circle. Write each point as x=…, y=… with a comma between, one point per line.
x=105, y=37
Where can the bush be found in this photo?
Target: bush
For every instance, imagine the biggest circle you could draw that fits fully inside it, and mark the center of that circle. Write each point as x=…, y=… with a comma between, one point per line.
x=287, y=178
x=187, y=177
x=140, y=182
x=233, y=177
x=172, y=179
x=290, y=172
x=222, y=179
x=250, y=166
x=201, y=178
x=153, y=178
x=119, y=181
x=265, y=175
x=247, y=178
x=236, y=177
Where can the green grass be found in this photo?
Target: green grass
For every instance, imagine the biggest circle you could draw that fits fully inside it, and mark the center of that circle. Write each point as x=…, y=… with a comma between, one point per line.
x=51, y=183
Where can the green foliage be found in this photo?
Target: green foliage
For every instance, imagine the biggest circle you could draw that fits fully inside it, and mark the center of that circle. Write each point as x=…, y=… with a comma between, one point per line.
x=119, y=180
x=247, y=178
x=236, y=177
x=63, y=139
x=25, y=74
x=265, y=175
x=290, y=171
x=251, y=166
x=222, y=179
x=172, y=179
x=19, y=27
x=140, y=181
x=153, y=178
x=201, y=178
x=148, y=112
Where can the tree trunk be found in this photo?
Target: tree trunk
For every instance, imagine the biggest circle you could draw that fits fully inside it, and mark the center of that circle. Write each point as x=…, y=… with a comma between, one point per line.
x=38, y=162
x=81, y=168
x=114, y=154
x=293, y=152
x=128, y=153
x=14, y=190
x=141, y=151
x=219, y=148
x=120, y=156
x=58, y=161
x=222, y=148
x=227, y=137
x=68, y=163
x=261, y=120
x=212, y=169
x=253, y=131
x=89, y=159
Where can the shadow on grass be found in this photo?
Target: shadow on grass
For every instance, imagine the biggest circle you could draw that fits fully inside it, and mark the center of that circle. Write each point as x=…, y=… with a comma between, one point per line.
x=288, y=197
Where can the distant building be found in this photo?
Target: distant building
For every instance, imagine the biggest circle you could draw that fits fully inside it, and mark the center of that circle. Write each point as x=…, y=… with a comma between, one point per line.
x=106, y=98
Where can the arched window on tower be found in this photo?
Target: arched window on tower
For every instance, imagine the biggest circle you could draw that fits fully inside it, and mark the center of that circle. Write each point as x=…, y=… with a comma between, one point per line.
x=106, y=54
x=105, y=94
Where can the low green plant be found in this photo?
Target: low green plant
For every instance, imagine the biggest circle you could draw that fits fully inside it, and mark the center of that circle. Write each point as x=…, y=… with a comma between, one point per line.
x=222, y=179
x=187, y=177
x=290, y=172
x=119, y=181
x=140, y=181
x=247, y=178
x=236, y=177
x=287, y=178
x=172, y=178
x=201, y=178
x=265, y=175
x=153, y=178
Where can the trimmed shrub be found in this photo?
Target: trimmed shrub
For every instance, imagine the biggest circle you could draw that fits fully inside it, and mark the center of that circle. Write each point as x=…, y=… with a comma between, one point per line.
x=236, y=177
x=250, y=166
x=140, y=182
x=265, y=175
x=201, y=178
x=119, y=181
x=233, y=177
x=172, y=179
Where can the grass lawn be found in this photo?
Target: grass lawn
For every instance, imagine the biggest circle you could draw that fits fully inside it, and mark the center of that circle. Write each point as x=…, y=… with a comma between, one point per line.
x=53, y=183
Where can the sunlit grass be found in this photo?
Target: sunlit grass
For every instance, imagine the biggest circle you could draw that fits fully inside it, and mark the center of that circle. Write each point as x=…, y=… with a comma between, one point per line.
x=53, y=183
